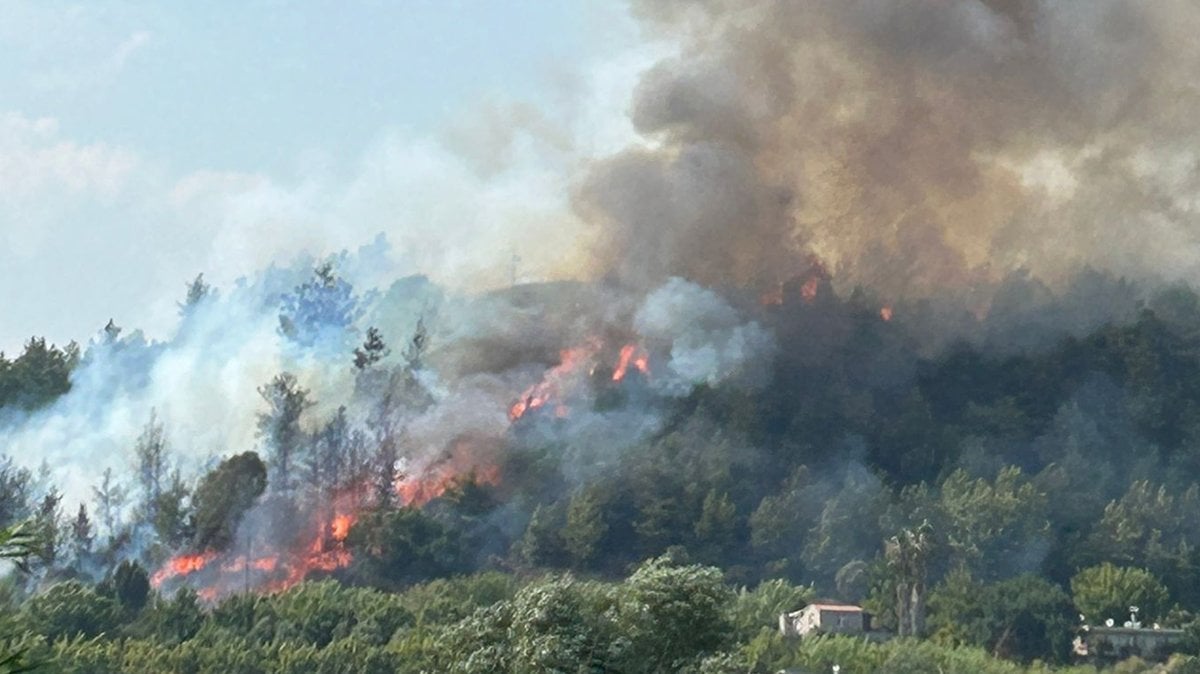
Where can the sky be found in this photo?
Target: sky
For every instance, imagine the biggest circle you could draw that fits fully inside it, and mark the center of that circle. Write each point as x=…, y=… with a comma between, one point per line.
x=143, y=143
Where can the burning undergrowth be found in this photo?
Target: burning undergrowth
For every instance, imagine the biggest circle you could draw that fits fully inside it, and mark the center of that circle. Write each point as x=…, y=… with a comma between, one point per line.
x=430, y=439
x=344, y=429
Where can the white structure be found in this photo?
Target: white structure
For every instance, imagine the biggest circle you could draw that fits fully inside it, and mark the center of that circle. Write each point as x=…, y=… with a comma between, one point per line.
x=825, y=618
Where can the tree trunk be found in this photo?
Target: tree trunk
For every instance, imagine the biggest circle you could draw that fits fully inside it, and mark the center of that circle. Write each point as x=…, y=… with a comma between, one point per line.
x=917, y=610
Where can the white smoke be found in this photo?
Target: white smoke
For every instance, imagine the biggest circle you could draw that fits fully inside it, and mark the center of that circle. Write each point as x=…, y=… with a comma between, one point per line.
x=707, y=341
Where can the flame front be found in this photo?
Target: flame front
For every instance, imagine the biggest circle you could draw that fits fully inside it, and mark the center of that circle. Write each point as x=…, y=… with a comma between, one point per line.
x=341, y=527
x=268, y=571
x=552, y=384
x=182, y=565
x=631, y=354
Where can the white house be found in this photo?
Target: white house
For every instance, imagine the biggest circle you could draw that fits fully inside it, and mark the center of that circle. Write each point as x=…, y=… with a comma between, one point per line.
x=825, y=618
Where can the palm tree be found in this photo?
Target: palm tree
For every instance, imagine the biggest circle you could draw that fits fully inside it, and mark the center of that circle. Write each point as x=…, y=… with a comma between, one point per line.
x=17, y=544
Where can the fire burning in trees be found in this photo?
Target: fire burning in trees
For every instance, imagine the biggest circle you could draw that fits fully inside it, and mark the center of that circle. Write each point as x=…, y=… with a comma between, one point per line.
x=438, y=479
x=634, y=355
x=181, y=565
x=322, y=546
x=552, y=385
x=270, y=570
x=556, y=383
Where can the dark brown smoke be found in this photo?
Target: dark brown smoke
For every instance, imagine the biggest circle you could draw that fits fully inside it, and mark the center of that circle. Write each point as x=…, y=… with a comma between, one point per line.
x=911, y=144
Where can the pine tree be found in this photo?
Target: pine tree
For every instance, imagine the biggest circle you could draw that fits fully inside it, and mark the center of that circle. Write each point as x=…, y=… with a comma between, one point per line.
x=320, y=312
x=197, y=292
x=541, y=546
x=417, y=344
x=586, y=527
x=81, y=535
x=112, y=332
x=716, y=528
x=110, y=498
x=131, y=585
x=384, y=474
x=15, y=493
x=372, y=350
x=151, y=465
x=279, y=427
x=48, y=527
x=171, y=512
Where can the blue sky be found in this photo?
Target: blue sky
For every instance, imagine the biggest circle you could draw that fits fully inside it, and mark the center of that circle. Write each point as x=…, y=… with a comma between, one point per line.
x=141, y=143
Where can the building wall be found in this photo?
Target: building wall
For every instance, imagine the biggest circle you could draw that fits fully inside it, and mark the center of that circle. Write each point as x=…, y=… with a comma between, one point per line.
x=819, y=619
x=1118, y=643
x=841, y=622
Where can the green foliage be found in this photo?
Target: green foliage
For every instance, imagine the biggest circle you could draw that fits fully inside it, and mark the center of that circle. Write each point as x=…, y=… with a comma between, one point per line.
x=14, y=493
x=279, y=427
x=1108, y=591
x=68, y=609
x=674, y=614
x=448, y=600
x=751, y=610
x=38, y=376
x=223, y=496
x=717, y=528
x=1022, y=618
x=320, y=613
x=1073, y=454
x=131, y=585
x=18, y=543
x=586, y=526
x=989, y=526
x=394, y=548
x=541, y=545
x=562, y=625
x=174, y=620
x=1154, y=528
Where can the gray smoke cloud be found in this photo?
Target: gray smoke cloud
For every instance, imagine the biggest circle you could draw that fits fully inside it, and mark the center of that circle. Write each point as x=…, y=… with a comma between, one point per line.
x=707, y=341
x=912, y=145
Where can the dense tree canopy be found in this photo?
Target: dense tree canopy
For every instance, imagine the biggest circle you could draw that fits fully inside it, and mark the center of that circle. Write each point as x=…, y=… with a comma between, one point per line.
x=975, y=496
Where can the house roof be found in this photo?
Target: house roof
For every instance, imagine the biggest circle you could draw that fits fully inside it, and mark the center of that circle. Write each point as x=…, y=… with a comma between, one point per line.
x=836, y=607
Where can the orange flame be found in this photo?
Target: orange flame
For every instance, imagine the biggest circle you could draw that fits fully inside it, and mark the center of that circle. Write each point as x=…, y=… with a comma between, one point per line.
x=418, y=492
x=634, y=355
x=271, y=571
x=183, y=565
x=808, y=291
x=549, y=388
x=341, y=527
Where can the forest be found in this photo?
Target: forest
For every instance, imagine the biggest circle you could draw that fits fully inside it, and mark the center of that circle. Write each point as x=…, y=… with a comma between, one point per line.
x=1019, y=487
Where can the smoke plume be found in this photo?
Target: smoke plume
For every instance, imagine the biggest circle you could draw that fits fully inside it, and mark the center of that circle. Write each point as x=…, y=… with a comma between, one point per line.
x=910, y=145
